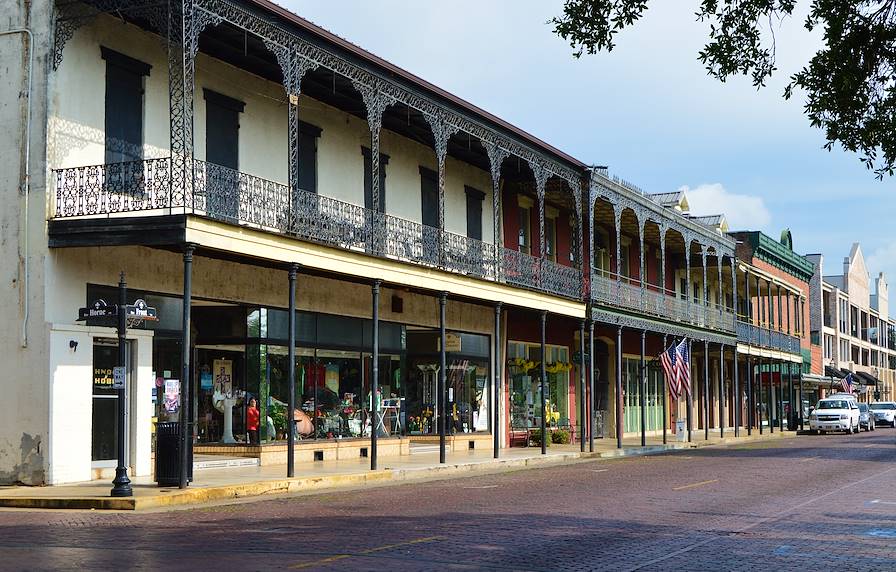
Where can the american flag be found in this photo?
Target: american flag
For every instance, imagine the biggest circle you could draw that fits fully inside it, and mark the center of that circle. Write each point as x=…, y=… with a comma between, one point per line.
x=846, y=382
x=668, y=359
x=683, y=365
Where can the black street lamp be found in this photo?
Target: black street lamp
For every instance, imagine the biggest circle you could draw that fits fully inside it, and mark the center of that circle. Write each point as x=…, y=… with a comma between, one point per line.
x=121, y=484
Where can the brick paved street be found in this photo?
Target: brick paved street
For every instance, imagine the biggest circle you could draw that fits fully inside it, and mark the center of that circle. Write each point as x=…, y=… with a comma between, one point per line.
x=800, y=503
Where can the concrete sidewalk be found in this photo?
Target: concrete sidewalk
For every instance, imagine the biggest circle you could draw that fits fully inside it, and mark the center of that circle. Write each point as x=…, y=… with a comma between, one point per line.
x=213, y=485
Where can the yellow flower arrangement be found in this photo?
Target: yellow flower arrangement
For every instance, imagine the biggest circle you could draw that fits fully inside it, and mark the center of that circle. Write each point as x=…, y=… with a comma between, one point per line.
x=521, y=363
x=558, y=367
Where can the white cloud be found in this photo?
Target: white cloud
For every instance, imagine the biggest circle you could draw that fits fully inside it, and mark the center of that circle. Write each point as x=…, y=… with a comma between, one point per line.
x=744, y=212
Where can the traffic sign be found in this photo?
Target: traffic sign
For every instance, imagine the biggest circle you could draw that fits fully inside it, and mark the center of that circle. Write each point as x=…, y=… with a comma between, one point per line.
x=118, y=377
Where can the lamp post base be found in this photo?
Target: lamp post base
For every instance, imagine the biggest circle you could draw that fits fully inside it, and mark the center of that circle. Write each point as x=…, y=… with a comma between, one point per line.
x=122, y=483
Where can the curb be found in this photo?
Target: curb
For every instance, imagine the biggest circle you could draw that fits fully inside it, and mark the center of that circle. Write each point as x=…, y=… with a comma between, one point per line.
x=197, y=496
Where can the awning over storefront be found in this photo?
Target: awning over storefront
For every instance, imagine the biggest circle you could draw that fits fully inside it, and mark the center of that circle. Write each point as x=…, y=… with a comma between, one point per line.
x=834, y=372
x=867, y=378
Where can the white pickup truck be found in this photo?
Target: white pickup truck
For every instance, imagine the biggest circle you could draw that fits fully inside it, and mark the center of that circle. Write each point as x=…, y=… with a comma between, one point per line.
x=838, y=412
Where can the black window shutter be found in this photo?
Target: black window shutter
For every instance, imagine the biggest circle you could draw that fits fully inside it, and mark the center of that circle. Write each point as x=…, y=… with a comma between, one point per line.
x=307, y=162
x=222, y=129
x=368, y=187
x=124, y=107
x=474, y=213
x=429, y=197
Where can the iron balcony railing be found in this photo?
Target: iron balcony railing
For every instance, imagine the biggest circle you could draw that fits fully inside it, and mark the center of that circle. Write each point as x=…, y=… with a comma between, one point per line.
x=765, y=338
x=649, y=299
x=235, y=197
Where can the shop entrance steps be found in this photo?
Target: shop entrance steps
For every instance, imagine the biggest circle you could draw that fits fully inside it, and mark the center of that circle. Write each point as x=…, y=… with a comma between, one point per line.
x=419, y=448
x=201, y=462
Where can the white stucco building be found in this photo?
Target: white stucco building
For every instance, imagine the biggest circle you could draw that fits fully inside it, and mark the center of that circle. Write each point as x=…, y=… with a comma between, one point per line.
x=851, y=315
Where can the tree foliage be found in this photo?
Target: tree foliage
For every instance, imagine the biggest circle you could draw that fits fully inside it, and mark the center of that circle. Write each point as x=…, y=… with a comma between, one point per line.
x=849, y=83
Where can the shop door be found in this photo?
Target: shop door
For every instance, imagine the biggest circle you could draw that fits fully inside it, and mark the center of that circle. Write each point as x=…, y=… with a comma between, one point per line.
x=104, y=433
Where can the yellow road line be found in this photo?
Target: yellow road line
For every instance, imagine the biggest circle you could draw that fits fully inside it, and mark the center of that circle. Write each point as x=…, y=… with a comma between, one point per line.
x=692, y=485
x=338, y=557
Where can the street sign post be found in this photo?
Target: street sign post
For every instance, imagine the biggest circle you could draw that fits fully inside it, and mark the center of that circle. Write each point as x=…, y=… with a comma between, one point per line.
x=127, y=315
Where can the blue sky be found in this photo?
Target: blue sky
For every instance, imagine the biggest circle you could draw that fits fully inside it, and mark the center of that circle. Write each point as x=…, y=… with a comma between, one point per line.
x=647, y=110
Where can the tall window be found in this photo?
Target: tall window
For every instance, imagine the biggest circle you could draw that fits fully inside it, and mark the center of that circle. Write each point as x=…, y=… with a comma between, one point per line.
x=222, y=129
x=308, y=135
x=843, y=316
x=474, y=213
x=550, y=238
x=124, y=106
x=525, y=236
x=601, y=251
x=368, y=180
x=624, y=259
x=429, y=197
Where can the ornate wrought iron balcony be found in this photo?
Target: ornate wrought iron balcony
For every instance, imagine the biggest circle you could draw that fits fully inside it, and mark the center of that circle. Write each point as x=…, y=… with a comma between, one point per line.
x=765, y=338
x=648, y=299
x=144, y=188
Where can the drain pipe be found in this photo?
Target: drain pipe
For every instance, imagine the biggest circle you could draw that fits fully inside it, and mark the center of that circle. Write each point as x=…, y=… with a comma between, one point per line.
x=26, y=180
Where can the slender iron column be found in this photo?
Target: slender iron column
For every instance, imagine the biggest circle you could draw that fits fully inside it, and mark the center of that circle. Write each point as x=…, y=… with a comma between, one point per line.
x=544, y=375
x=800, y=397
x=582, y=405
x=790, y=397
x=690, y=396
x=121, y=484
x=759, y=397
x=723, y=395
x=642, y=389
x=780, y=396
x=619, y=387
x=497, y=383
x=591, y=385
x=443, y=408
x=291, y=357
x=663, y=390
x=375, y=373
x=770, y=396
x=750, y=404
x=707, y=409
x=186, y=373
x=737, y=401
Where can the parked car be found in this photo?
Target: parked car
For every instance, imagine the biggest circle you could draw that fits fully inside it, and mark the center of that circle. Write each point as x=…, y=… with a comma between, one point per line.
x=866, y=417
x=835, y=414
x=884, y=413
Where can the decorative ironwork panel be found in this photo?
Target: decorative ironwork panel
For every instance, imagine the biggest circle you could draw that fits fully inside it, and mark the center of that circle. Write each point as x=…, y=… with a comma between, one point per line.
x=521, y=269
x=130, y=186
x=560, y=279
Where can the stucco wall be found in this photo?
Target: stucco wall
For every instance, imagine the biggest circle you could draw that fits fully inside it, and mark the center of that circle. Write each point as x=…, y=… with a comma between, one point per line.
x=78, y=112
x=23, y=385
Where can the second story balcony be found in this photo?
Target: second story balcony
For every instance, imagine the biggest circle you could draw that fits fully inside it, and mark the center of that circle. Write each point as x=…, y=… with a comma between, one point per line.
x=761, y=337
x=654, y=302
x=144, y=188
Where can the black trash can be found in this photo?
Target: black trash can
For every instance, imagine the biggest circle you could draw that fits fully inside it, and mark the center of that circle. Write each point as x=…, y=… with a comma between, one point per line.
x=168, y=456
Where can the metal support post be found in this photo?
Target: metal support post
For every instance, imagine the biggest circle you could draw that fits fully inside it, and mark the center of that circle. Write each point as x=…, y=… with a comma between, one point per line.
x=664, y=389
x=375, y=374
x=750, y=404
x=736, y=401
x=723, y=395
x=496, y=426
x=707, y=410
x=544, y=375
x=186, y=373
x=619, y=387
x=591, y=385
x=642, y=389
x=121, y=484
x=443, y=409
x=291, y=352
x=690, y=397
x=583, y=409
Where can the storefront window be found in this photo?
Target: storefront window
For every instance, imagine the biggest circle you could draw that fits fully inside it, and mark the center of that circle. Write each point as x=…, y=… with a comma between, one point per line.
x=466, y=383
x=632, y=397
x=524, y=368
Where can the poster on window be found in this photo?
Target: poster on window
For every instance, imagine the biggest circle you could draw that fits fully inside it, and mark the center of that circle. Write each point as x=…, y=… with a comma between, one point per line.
x=223, y=369
x=172, y=395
